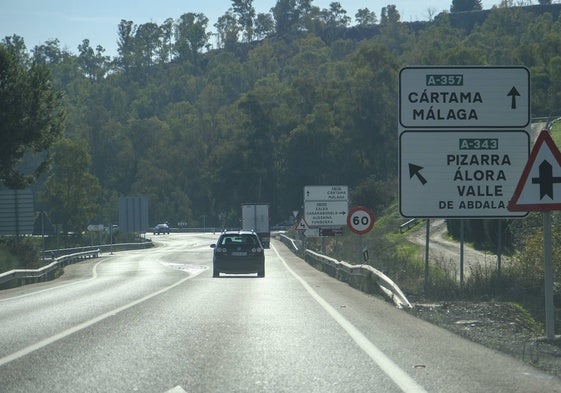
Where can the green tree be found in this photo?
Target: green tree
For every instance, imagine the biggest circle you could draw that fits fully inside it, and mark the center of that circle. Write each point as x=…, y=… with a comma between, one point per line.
x=191, y=36
x=432, y=44
x=264, y=25
x=94, y=65
x=365, y=17
x=370, y=109
x=246, y=15
x=227, y=30
x=126, y=44
x=316, y=147
x=166, y=48
x=31, y=118
x=148, y=43
x=336, y=15
x=71, y=191
x=289, y=14
x=465, y=5
x=17, y=46
x=48, y=53
x=390, y=15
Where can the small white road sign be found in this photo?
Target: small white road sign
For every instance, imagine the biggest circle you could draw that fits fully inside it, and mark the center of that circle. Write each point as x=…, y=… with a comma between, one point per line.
x=326, y=206
x=326, y=213
x=326, y=193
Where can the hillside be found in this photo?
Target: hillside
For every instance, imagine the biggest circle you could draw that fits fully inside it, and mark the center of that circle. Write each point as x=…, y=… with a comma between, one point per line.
x=201, y=133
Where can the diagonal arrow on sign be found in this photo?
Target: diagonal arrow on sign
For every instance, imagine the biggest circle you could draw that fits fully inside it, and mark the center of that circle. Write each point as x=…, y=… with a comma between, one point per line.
x=415, y=170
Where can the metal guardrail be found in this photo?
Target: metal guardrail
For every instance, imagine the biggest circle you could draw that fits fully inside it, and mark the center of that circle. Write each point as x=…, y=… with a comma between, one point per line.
x=363, y=277
x=46, y=272
x=406, y=225
x=64, y=257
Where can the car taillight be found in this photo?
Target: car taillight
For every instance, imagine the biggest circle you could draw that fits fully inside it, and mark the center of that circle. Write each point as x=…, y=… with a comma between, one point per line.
x=221, y=249
x=258, y=249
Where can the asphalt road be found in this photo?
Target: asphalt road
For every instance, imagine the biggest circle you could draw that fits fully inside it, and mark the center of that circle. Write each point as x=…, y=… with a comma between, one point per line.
x=156, y=321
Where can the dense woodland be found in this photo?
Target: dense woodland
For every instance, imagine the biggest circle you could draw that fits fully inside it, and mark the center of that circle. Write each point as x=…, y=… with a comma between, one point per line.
x=200, y=122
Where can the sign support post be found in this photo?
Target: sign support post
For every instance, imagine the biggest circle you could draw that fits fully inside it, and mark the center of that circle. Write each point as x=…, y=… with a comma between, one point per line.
x=360, y=221
x=537, y=191
x=548, y=277
x=461, y=253
x=427, y=239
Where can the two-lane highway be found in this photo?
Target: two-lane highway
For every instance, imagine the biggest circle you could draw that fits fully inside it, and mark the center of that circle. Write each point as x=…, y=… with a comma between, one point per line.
x=156, y=321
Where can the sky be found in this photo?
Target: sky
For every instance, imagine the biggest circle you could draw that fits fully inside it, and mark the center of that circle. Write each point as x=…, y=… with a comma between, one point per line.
x=72, y=21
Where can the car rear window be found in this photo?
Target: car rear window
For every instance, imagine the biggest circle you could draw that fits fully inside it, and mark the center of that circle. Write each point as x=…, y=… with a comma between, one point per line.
x=243, y=239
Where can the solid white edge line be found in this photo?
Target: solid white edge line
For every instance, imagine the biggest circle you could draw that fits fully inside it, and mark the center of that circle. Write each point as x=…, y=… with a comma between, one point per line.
x=93, y=277
x=65, y=333
x=392, y=370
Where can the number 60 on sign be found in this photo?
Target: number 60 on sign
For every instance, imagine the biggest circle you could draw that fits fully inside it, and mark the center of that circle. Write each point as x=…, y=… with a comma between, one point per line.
x=360, y=220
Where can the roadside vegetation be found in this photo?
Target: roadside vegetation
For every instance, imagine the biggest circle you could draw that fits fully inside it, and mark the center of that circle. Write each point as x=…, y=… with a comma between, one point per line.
x=520, y=280
x=519, y=283
x=302, y=97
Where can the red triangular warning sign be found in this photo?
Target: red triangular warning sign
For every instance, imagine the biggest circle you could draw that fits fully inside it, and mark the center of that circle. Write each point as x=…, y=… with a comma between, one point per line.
x=539, y=187
x=302, y=225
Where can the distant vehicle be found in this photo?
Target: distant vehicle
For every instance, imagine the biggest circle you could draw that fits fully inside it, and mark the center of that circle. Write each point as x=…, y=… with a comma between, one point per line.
x=161, y=229
x=238, y=252
x=255, y=217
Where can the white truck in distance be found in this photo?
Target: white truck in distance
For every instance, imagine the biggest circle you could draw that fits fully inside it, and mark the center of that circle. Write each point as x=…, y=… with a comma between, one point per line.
x=255, y=217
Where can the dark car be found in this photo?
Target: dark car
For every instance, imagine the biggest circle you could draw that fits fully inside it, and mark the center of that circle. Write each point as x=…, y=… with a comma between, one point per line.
x=161, y=229
x=238, y=252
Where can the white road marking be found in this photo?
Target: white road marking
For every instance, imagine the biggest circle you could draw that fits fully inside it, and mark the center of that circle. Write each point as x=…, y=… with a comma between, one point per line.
x=93, y=277
x=65, y=333
x=392, y=370
x=177, y=389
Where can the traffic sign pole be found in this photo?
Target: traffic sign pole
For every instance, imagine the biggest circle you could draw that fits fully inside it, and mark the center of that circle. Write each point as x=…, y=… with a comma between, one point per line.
x=538, y=190
x=361, y=220
x=548, y=277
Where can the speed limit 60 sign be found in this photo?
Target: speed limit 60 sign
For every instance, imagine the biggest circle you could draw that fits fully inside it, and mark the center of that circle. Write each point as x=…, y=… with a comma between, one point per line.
x=360, y=220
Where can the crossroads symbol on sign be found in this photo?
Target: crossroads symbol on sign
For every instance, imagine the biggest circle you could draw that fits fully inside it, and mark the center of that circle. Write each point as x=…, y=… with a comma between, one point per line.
x=546, y=180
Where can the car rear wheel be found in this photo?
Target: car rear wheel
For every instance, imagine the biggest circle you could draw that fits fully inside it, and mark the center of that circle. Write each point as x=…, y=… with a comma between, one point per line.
x=215, y=273
x=261, y=272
